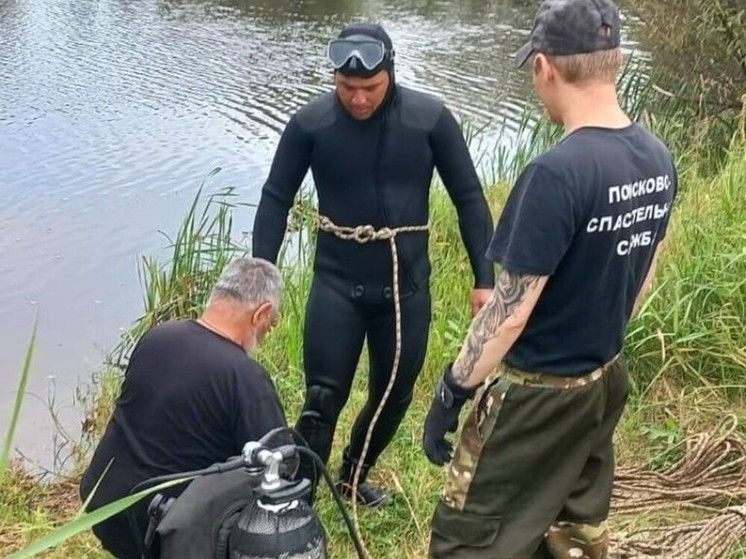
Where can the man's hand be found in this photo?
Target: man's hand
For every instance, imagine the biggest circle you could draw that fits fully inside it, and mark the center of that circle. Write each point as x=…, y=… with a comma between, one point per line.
x=447, y=402
x=479, y=298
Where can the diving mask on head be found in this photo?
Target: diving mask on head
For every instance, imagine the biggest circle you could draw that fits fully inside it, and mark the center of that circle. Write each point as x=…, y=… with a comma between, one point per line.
x=369, y=52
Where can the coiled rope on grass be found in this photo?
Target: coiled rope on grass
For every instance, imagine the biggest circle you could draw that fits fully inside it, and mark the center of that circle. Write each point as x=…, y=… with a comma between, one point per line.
x=709, y=478
x=713, y=538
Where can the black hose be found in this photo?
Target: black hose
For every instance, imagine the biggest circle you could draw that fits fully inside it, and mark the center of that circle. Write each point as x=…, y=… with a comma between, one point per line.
x=304, y=448
x=214, y=469
x=337, y=499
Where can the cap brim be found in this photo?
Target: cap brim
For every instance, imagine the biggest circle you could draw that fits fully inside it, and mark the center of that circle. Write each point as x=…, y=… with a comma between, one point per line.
x=523, y=54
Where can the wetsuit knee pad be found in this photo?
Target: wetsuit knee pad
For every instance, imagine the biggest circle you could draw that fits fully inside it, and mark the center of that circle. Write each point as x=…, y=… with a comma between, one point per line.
x=317, y=423
x=322, y=404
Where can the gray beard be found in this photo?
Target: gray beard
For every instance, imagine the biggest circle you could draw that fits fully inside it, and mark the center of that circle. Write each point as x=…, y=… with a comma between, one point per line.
x=251, y=345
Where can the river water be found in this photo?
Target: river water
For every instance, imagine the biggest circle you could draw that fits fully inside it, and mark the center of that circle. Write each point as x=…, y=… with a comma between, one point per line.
x=112, y=112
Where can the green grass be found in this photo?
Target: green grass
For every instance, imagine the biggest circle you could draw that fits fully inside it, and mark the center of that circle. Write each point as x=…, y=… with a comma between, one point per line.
x=695, y=322
x=687, y=352
x=18, y=403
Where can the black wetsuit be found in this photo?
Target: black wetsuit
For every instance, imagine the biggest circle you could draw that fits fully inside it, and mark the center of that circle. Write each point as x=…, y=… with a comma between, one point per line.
x=378, y=172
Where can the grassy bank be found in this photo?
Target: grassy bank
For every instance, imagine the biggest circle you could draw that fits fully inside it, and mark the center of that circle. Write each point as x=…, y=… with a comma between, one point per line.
x=686, y=349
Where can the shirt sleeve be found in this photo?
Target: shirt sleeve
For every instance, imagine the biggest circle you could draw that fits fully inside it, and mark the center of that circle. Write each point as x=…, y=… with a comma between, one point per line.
x=537, y=224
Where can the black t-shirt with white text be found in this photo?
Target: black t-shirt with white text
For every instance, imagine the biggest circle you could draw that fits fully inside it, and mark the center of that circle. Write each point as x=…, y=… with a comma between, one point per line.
x=589, y=213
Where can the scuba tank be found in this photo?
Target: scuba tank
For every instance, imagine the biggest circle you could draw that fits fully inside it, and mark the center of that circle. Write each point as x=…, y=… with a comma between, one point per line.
x=278, y=522
x=289, y=531
x=240, y=509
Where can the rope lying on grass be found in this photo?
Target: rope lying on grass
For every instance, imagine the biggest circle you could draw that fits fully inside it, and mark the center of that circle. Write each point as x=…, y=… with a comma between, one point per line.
x=711, y=473
x=703, y=539
x=710, y=477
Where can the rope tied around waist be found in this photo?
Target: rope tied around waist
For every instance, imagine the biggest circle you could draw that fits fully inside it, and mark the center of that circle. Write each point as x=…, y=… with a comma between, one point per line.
x=364, y=234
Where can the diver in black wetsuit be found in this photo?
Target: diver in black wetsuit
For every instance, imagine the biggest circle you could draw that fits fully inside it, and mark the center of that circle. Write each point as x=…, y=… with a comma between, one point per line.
x=372, y=146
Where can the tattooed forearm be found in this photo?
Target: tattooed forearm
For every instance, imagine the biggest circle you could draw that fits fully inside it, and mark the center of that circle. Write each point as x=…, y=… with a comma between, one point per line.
x=510, y=292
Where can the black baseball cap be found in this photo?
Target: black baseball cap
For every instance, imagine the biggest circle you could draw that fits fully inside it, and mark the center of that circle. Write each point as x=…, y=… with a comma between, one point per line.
x=565, y=27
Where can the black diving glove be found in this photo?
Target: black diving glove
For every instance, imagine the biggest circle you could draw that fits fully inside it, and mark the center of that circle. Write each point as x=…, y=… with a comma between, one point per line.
x=447, y=402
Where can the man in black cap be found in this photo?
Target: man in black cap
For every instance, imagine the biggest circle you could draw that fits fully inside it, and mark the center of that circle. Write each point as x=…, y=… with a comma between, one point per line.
x=577, y=242
x=372, y=146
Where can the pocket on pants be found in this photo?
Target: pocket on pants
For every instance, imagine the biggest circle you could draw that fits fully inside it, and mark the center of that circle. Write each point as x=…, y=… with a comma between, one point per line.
x=463, y=528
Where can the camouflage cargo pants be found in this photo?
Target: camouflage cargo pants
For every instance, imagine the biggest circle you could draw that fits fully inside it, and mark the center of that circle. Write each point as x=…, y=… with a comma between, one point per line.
x=532, y=473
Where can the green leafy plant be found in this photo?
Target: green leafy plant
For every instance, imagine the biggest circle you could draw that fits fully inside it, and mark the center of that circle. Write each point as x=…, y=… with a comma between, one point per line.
x=87, y=520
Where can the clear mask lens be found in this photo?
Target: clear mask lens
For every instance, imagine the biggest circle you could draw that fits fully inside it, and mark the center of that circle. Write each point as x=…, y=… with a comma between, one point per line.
x=369, y=53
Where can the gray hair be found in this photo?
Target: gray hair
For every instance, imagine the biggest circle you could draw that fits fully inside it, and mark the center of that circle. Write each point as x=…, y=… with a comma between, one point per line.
x=250, y=281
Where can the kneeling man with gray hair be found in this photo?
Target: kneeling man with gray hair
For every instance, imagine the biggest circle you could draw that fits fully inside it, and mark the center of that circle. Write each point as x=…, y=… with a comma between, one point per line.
x=191, y=397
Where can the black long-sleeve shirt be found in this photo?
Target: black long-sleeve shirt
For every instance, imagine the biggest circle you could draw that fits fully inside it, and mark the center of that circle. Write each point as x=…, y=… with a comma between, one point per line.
x=378, y=172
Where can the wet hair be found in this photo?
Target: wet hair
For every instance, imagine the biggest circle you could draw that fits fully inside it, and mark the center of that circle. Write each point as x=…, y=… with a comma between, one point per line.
x=250, y=281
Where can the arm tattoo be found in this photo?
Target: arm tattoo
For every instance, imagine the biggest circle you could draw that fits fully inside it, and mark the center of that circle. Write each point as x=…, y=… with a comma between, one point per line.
x=510, y=291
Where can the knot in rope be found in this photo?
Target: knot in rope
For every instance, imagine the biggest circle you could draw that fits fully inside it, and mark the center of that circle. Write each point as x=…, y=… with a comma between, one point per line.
x=365, y=233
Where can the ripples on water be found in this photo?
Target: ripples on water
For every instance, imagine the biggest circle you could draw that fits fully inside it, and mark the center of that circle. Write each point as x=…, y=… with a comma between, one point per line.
x=113, y=111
